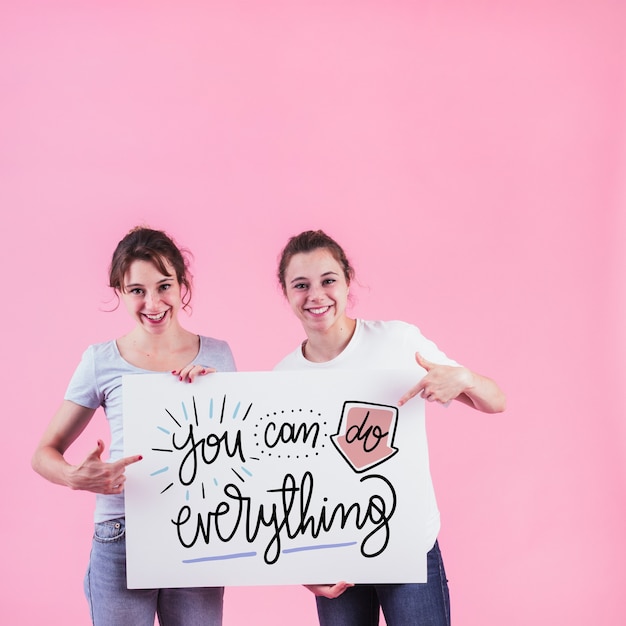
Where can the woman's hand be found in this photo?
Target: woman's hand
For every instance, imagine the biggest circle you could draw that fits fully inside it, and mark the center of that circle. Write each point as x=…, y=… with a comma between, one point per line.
x=189, y=372
x=100, y=477
x=92, y=474
x=329, y=591
x=444, y=383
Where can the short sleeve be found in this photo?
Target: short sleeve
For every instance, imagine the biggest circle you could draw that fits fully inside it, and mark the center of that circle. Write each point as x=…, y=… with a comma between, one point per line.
x=427, y=348
x=82, y=388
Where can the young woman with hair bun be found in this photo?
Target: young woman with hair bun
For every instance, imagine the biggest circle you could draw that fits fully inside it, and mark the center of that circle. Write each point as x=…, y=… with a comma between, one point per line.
x=315, y=276
x=150, y=276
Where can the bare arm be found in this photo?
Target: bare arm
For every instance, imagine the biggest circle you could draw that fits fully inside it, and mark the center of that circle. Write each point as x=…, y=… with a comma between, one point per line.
x=92, y=474
x=444, y=383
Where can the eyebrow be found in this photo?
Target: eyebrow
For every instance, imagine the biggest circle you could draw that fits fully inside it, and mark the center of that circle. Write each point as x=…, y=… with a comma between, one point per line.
x=133, y=285
x=295, y=280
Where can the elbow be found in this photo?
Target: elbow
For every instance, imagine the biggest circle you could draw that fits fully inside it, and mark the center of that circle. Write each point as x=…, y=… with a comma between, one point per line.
x=38, y=461
x=34, y=461
x=499, y=404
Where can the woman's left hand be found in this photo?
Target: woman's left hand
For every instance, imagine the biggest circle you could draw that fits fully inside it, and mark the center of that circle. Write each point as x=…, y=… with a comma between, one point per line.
x=442, y=383
x=189, y=372
x=329, y=591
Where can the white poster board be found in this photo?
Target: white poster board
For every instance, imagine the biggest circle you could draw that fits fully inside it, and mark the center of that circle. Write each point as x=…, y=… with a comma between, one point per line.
x=272, y=478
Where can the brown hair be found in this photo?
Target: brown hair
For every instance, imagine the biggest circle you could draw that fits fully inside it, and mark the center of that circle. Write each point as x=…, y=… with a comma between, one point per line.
x=155, y=246
x=308, y=241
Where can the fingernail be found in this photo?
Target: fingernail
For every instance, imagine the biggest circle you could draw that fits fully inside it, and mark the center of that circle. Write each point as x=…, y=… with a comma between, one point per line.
x=140, y=457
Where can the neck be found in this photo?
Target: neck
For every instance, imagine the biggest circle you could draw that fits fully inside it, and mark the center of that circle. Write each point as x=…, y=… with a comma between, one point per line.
x=159, y=353
x=326, y=345
x=170, y=341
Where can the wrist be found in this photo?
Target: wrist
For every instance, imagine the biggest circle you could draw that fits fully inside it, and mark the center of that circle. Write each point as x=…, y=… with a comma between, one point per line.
x=70, y=476
x=469, y=380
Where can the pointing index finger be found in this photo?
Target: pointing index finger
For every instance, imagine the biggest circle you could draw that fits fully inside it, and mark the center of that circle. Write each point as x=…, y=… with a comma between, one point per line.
x=129, y=460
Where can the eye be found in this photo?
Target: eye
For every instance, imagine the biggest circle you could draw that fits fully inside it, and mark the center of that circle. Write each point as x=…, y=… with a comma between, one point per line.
x=329, y=281
x=165, y=286
x=135, y=291
x=300, y=286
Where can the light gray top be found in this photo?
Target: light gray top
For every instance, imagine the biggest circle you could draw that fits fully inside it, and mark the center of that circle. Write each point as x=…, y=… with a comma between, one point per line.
x=97, y=382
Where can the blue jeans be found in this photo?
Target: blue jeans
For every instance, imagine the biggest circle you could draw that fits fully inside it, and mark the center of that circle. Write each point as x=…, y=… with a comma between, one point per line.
x=415, y=604
x=112, y=604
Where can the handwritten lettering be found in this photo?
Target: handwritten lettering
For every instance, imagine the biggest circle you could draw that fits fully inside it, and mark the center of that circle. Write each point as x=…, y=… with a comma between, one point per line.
x=369, y=435
x=292, y=515
x=290, y=433
x=206, y=450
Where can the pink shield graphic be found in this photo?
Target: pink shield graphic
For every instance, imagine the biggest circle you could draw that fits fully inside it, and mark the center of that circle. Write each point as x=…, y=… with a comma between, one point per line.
x=366, y=433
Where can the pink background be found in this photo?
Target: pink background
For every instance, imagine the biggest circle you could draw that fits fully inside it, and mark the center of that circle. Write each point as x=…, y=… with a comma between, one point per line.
x=470, y=157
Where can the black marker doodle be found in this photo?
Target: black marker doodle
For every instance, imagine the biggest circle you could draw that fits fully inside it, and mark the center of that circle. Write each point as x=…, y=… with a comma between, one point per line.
x=290, y=515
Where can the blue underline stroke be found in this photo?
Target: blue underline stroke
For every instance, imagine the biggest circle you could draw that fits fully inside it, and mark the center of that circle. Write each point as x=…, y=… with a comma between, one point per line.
x=236, y=555
x=320, y=547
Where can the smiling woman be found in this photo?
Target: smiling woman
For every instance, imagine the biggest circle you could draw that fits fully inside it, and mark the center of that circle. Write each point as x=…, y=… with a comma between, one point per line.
x=151, y=297
x=315, y=276
x=317, y=290
x=150, y=275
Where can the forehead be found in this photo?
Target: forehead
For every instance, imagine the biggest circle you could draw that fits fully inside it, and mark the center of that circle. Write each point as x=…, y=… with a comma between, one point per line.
x=140, y=271
x=314, y=263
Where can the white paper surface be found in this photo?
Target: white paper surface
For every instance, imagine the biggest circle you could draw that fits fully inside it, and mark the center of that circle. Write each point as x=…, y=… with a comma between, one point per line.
x=271, y=478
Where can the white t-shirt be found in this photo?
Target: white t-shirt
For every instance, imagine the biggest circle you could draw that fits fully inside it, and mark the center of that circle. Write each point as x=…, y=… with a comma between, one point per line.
x=385, y=345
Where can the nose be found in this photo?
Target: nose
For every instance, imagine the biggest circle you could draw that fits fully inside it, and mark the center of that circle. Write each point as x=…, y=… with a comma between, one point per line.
x=316, y=292
x=153, y=299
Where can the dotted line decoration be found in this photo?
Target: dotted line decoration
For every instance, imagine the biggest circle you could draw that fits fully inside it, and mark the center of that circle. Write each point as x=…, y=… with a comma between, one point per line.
x=290, y=435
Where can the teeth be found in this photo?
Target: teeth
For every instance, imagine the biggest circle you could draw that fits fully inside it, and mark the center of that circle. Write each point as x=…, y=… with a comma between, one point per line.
x=157, y=317
x=320, y=310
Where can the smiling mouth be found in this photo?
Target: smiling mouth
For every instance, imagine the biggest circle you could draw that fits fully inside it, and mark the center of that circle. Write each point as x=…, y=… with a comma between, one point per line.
x=319, y=311
x=157, y=317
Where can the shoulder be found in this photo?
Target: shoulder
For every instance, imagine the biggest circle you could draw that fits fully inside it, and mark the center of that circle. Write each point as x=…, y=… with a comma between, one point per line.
x=213, y=343
x=98, y=370
x=402, y=338
x=395, y=334
x=388, y=328
x=294, y=360
x=100, y=352
x=216, y=353
x=106, y=349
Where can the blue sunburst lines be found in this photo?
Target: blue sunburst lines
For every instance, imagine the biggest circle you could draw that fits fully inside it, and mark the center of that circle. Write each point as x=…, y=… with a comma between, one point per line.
x=190, y=415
